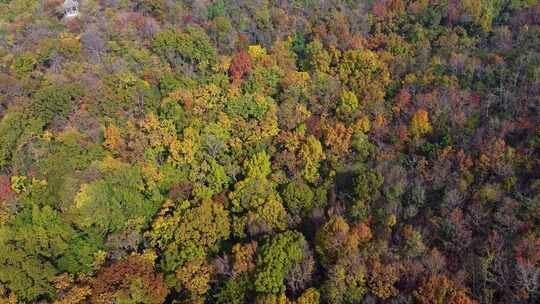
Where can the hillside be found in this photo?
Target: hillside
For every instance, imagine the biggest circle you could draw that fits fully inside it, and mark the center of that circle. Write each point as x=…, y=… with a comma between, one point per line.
x=270, y=152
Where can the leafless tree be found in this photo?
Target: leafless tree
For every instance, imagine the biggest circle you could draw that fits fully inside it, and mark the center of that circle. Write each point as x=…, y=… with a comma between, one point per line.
x=301, y=274
x=93, y=44
x=528, y=277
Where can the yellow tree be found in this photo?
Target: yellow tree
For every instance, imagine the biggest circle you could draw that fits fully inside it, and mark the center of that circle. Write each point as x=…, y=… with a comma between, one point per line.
x=255, y=201
x=365, y=74
x=311, y=153
x=420, y=125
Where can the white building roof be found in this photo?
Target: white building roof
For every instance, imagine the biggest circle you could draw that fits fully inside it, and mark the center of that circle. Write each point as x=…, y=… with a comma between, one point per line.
x=71, y=8
x=71, y=3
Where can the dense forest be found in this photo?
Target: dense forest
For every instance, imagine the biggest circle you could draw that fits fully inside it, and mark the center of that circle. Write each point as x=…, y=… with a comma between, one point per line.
x=270, y=152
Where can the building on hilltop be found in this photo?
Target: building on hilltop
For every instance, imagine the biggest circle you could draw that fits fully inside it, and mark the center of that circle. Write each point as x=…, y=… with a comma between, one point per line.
x=71, y=8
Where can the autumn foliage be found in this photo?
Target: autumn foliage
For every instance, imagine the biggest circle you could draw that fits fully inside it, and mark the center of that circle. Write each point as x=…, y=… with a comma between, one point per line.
x=132, y=279
x=240, y=66
x=270, y=152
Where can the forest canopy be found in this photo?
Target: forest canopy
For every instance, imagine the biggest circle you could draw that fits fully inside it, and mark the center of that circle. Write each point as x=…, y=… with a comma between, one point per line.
x=270, y=152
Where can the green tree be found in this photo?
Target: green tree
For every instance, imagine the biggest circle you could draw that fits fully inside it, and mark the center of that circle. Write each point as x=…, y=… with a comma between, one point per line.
x=298, y=197
x=24, y=65
x=216, y=9
x=119, y=200
x=192, y=48
x=363, y=147
x=24, y=274
x=12, y=127
x=189, y=232
x=55, y=101
x=277, y=255
x=67, y=154
x=367, y=184
x=249, y=106
x=234, y=291
x=80, y=255
x=255, y=199
x=29, y=245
